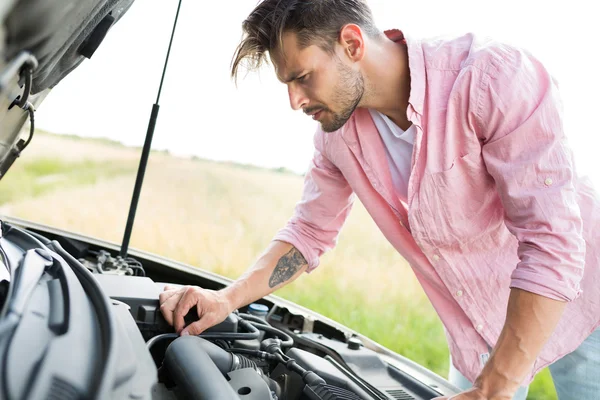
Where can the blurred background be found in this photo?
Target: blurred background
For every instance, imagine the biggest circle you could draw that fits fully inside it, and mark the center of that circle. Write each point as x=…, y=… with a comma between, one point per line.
x=227, y=162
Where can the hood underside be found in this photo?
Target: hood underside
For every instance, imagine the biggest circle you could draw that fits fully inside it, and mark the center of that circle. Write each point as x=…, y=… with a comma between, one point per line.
x=41, y=42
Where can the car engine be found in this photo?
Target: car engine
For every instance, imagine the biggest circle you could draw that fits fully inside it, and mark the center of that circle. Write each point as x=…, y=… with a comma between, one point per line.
x=243, y=357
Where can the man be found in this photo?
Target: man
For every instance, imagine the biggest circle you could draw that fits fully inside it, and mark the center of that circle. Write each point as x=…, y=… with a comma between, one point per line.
x=456, y=149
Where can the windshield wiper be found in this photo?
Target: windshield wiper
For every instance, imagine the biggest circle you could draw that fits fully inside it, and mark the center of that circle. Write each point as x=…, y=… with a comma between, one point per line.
x=139, y=180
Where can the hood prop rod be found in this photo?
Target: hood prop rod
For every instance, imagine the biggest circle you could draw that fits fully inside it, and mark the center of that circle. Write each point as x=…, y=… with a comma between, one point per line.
x=145, y=152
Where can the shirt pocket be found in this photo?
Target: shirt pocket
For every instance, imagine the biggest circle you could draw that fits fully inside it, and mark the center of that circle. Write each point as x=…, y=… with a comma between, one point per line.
x=460, y=206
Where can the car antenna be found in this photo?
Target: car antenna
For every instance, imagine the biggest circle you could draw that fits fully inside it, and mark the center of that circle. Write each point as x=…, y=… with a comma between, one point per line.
x=139, y=180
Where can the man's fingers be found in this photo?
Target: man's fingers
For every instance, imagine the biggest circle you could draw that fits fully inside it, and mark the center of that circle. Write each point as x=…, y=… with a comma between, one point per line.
x=168, y=305
x=188, y=300
x=168, y=302
x=164, y=296
x=197, y=327
x=167, y=313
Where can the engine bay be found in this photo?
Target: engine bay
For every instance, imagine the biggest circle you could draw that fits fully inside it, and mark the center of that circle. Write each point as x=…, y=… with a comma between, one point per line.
x=243, y=356
x=80, y=322
x=246, y=356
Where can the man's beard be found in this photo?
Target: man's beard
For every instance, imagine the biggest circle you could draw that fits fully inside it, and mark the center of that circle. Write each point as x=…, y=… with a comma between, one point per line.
x=348, y=93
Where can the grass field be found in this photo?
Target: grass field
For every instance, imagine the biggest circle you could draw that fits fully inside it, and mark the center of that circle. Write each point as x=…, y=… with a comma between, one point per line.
x=219, y=217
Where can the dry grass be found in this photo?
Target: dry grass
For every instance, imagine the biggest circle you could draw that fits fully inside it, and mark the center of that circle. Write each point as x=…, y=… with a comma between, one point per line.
x=220, y=217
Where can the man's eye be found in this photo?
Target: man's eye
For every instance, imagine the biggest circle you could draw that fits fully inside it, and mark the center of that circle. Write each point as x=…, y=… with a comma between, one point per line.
x=302, y=78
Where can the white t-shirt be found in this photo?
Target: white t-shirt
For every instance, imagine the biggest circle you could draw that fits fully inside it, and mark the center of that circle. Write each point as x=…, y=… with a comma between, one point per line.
x=398, y=149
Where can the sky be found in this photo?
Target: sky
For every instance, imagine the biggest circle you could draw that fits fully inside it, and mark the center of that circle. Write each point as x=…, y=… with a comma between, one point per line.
x=203, y=113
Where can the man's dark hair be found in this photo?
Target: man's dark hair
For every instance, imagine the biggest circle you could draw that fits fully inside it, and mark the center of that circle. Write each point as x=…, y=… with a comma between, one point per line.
x=316, y=22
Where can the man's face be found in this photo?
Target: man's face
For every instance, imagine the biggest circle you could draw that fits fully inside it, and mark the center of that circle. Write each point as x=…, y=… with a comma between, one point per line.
x=323, y=85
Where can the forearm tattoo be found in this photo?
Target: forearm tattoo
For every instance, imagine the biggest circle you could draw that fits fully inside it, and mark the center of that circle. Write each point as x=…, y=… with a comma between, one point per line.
x=286, y=267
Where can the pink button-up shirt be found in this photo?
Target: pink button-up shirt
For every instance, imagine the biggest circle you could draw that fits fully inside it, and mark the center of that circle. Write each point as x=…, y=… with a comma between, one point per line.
x=494, y=201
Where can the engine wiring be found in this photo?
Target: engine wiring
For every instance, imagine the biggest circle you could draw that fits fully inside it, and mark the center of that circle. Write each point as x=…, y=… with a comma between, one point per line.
x=286, y=341
x=251, y=333
x=105, y=263
x=276, y=354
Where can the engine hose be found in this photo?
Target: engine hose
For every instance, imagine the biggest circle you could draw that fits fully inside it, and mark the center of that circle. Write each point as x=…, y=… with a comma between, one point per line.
x=263, y=355
x=309, y=377
x=252, y=333
x=225, y=361
x=287, y=340
x=195, y=373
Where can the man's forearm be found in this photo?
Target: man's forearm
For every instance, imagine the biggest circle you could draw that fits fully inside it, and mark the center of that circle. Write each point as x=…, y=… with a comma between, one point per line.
x=530, y=321
x=279, y=265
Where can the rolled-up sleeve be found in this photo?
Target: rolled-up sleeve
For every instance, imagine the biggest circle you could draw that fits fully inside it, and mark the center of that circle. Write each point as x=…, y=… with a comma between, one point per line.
x=519, y=118
x=322, y=210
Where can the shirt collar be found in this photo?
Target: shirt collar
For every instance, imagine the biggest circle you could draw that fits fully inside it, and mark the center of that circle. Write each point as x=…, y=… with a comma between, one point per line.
x=416, y=66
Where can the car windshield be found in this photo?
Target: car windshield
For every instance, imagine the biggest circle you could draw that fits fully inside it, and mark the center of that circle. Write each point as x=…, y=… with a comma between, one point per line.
x=227, y=161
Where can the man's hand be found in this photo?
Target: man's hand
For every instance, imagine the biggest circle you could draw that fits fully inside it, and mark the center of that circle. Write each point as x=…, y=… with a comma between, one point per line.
x=530, y=320
x=280, y=264
x=212, y=307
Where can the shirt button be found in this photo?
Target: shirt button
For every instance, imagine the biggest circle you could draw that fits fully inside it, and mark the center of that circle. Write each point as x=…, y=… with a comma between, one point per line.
x=548, y=181
x=436, y=257
x=459, y=293
x=479, y=327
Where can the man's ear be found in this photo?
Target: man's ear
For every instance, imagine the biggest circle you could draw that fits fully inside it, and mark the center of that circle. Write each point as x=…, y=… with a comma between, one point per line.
x=352, y=42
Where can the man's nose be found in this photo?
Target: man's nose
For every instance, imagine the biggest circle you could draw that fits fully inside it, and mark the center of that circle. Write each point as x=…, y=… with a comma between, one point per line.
x=298, y=99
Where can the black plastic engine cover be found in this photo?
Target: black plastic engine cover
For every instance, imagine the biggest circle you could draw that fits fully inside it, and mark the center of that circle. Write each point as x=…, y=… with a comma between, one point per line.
x=141, y=295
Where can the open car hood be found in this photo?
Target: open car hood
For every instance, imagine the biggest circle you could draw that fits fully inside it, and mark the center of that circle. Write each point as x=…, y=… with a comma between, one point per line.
x=41, y=42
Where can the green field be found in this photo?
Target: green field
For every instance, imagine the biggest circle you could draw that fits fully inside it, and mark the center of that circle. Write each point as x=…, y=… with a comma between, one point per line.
x=220, y=217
